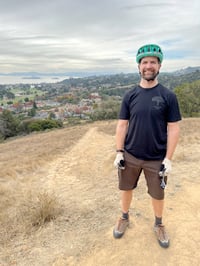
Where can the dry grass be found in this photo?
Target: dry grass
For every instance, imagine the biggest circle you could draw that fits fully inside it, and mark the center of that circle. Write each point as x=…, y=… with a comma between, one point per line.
x=26, y=205
x=38, y=209
x=23, y=155
x=27, y=213
x=189, y=136
x=190, y=128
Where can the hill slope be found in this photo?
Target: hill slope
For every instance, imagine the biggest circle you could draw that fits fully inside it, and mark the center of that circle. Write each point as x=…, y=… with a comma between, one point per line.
x=75, y=167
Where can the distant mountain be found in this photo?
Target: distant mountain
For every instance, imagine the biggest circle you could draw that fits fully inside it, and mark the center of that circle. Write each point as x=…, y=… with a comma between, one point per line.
x=88, y=74
x=32, y=74
x=168, y=79
x=171, y=79
x=187, y=70
x=55, y=74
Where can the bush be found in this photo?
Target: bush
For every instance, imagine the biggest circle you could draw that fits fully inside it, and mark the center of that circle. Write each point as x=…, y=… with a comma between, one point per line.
x=188, y=95
x=8, y=124
x=31, y=125
x=106, y=111
x=48, y=124
x=34, y=126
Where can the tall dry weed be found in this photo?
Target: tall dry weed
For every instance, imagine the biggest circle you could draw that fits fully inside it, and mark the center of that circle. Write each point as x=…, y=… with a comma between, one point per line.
x=38, y=209
x=29, y=212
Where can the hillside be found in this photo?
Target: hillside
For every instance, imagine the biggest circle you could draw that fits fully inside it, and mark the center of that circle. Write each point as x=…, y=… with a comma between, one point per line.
x=123, y=80
x=71, y=170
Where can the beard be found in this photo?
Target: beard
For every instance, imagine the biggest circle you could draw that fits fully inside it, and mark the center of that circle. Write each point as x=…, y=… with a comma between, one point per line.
x=149, y=77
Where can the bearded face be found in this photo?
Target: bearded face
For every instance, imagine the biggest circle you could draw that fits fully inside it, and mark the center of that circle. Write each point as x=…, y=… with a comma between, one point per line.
x=149, y=68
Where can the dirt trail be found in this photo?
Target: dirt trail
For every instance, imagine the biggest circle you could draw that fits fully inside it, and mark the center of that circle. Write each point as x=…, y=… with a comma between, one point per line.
x=85, y=182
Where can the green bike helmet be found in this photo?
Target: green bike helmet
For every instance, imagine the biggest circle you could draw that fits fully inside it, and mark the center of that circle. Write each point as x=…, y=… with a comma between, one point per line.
x=149, y=50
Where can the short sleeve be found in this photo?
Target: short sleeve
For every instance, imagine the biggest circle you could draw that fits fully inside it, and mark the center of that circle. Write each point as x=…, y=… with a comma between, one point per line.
x=124, y=111
x=173, y=109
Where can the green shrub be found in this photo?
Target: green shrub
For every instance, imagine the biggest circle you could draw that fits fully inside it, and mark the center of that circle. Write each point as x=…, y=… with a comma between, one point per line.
x=34, y=126
x=31, y=125
x=188, y=95
x=48, y=124
x=8, y=124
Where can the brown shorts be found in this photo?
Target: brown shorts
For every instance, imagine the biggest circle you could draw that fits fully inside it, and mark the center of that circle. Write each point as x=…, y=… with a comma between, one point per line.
x=128, y=178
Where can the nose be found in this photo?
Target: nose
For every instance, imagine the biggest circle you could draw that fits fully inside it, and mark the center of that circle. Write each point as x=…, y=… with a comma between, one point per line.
x=149, y=65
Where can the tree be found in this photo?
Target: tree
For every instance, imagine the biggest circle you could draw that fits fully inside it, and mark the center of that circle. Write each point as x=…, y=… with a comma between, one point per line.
x=8, y=124
x=32, y=112
x=10, y=95
x=34, y=105
x=26, y=99
x=107, y=110
x=188, y=95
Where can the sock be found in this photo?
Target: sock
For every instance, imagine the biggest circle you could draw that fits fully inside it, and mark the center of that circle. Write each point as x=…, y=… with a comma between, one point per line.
x=158, y=220
x=125, y=215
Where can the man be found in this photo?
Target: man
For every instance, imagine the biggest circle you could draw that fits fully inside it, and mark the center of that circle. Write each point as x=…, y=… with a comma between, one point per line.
x=146, y=137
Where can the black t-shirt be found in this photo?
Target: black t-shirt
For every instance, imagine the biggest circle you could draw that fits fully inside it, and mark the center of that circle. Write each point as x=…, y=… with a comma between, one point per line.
x=148, y=111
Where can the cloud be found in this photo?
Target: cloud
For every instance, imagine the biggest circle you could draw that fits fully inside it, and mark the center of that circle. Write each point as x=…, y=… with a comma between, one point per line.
x=76, y=35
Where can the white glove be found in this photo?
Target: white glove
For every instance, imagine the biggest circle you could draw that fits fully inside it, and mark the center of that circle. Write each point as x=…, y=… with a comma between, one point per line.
x=166, y=167
x=119, y=161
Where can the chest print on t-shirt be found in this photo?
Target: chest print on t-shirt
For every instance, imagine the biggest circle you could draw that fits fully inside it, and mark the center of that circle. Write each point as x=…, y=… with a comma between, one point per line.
x=157, y=102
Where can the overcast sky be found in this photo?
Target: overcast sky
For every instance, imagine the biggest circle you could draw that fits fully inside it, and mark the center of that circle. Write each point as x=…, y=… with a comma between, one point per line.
x=91, y=35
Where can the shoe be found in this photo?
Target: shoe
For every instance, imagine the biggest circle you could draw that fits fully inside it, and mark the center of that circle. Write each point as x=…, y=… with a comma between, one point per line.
x=120, y=227
x=161, y=235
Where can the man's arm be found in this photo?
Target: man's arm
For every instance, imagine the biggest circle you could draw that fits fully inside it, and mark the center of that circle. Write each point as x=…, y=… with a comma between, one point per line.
x=121, y=131
x=172, y=138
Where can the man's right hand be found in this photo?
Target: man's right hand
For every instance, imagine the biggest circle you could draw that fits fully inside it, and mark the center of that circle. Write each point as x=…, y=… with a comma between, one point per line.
x=119, y=161
x=166, y=167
